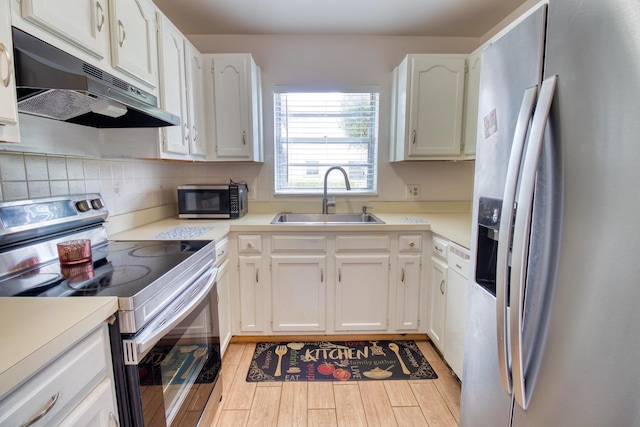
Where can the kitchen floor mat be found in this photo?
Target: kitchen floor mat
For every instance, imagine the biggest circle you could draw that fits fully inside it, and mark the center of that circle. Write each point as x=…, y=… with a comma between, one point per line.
x=339, y=361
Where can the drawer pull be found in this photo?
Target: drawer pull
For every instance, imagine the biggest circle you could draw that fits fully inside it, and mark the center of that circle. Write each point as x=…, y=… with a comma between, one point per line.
x=437, y=248
x=250, y=245
x=411, y=244
x=442, y=287
x=257, y=275
x=45, y=410
x=322, y=275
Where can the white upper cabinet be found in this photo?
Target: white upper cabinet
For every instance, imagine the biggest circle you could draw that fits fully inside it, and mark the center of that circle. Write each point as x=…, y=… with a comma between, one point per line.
x=237, y=108
x=9, y=131
x=117, y=36
x=173, y=87
x=471, y=105
x=82, y=23
x=196, y=101
x=134, y=48
x=428, y=105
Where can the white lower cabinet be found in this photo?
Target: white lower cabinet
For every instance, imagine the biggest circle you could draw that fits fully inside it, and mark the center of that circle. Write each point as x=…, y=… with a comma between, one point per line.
x=252, y=294
x=298, y=292
x=324, y=283
x=456, y=311
x=74, y=388
x=362, y=292
x=95, y=410
x=437, y=302
x=224, y=312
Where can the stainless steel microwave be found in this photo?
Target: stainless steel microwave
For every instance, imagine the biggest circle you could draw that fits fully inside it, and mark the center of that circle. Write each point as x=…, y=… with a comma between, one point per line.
x=213, y=200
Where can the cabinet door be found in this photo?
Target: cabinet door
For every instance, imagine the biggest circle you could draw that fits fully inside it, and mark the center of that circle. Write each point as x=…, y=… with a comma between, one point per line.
x=224, y=306
x=173, y=86
x=436, y=106
x=9, y=131
x=408, y=292
x=134, y=47
x=82, y=23
x=457, y=290
x=299, y=292
x=236, y=96
x=252, y=295
x=471, y=104
x=196, y=104
x=362, y=292
x=437, y=302
x=98, y=409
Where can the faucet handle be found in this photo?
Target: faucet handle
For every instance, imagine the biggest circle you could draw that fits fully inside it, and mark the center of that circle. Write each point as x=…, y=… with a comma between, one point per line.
x=364, y=209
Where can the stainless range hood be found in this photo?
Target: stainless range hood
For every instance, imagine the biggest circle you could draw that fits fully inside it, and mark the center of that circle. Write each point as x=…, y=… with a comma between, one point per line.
x=53, y=84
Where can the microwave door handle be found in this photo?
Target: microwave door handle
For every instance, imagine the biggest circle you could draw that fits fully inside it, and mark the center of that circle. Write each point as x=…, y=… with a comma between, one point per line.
x=136, y=348
x=521, y=239
x=506, y=225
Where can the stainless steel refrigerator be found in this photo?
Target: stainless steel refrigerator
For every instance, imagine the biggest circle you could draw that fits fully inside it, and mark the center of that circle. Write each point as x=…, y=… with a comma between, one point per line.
x=553, y=322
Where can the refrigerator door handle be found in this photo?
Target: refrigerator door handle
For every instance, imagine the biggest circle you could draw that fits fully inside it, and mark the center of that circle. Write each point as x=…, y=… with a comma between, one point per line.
x=521, y=239
x=506, y=230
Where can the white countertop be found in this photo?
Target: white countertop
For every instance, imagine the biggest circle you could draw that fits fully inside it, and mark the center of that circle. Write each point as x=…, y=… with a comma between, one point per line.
x=34, y=330
x=453, y=226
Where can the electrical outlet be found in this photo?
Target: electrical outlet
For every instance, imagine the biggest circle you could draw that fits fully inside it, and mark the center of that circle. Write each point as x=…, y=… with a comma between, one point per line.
x=412, y=191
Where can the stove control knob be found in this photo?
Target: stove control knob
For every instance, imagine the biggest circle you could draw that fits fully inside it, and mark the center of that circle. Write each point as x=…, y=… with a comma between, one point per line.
x=83, y=205
x=97, y=204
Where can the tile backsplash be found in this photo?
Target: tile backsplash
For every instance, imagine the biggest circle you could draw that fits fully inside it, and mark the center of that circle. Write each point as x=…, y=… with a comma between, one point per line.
x=126, y=185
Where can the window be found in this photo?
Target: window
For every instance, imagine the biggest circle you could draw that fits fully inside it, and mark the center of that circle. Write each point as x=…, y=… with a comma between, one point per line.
x=317, y=130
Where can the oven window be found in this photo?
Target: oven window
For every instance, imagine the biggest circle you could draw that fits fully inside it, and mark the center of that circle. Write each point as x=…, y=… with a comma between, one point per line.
x=179, y=373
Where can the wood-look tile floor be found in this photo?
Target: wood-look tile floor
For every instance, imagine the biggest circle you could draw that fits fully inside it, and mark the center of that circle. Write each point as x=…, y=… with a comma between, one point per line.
x=431, y=403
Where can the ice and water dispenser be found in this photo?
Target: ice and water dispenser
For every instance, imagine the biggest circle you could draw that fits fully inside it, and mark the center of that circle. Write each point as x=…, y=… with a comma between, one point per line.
x=489, y=211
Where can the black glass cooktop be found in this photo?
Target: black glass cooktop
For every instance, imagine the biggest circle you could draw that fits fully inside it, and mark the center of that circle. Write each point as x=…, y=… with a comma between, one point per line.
x=119, y=268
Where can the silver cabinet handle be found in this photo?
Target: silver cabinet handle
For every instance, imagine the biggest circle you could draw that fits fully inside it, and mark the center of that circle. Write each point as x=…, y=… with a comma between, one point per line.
x=506, y=224
x=402, y=279
x=257, y=275
x=413, y=140
x=244, y=138
x=101, y=17
x=442, y=287
x=194, y=132
x=521, y=240
x=321, y=275
x=44, y=411
x=123, y=33
x=340, y=275
x=7, y=55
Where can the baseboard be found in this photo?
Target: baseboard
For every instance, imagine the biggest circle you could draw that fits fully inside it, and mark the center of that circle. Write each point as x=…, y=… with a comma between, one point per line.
x=243, y=339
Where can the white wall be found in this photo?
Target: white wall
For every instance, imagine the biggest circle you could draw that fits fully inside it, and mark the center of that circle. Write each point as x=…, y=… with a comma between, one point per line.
x=335, y=61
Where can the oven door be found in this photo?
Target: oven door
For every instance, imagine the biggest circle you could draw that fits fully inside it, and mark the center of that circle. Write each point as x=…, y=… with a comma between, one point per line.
x=173, y=364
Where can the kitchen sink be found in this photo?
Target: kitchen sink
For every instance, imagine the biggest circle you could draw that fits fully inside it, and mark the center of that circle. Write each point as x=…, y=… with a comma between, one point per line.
x=326, y=219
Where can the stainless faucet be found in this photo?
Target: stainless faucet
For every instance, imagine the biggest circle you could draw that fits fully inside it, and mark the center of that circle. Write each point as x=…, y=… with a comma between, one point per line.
x=326, y=203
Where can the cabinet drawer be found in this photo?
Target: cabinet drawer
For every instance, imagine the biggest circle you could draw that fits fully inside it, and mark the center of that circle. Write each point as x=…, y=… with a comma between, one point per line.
x=458, y=259
x=378, y=242
x=298, y=243
x=439, y=246
x=250, y=243
x=61, y=385
x=411, y=242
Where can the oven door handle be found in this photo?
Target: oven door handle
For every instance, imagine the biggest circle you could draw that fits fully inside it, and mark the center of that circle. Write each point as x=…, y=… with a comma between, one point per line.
x=136, y=347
